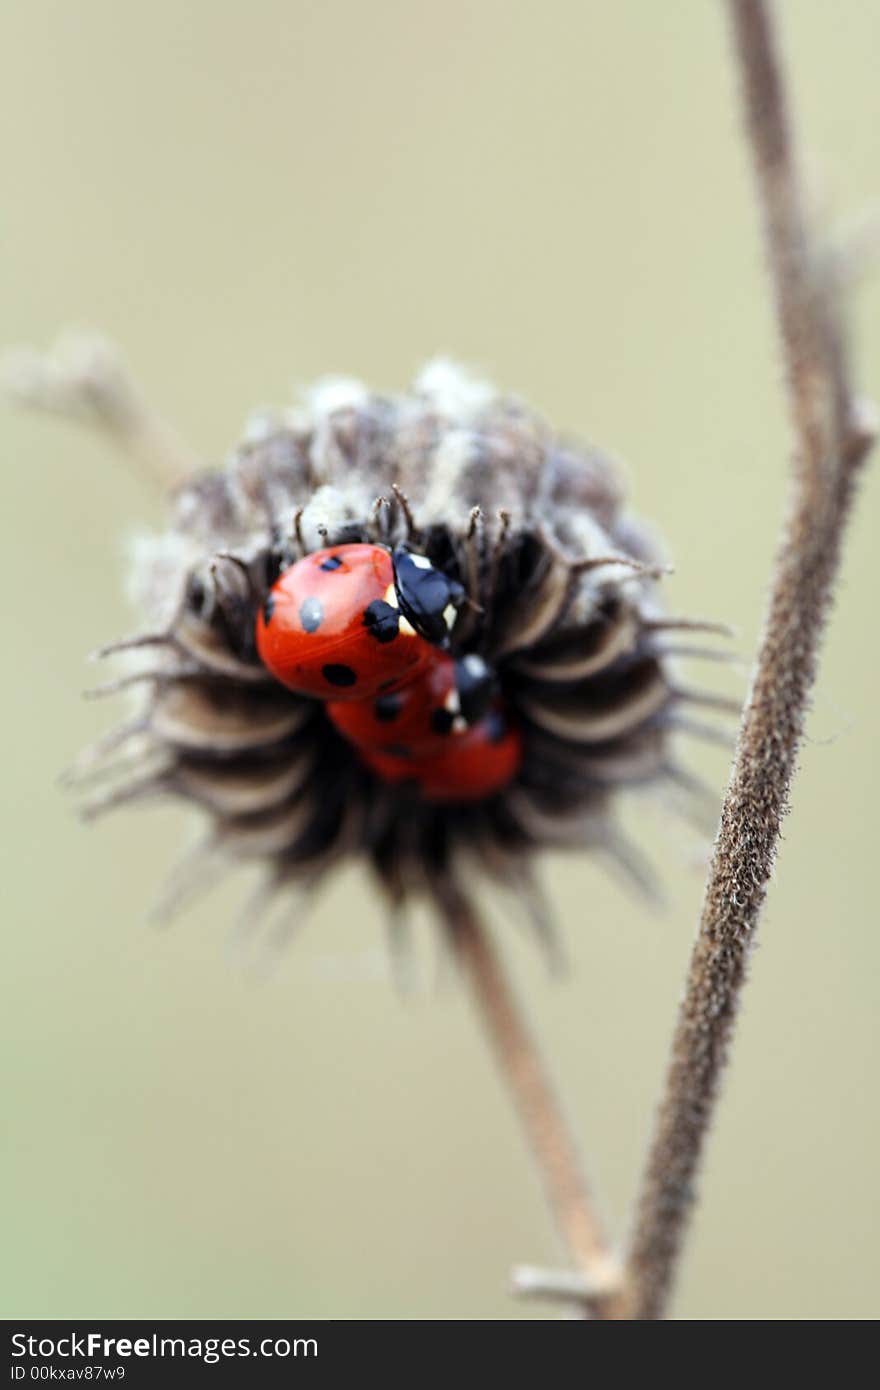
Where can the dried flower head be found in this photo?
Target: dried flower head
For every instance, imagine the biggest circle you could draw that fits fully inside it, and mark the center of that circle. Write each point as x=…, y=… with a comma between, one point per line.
x=560, y=585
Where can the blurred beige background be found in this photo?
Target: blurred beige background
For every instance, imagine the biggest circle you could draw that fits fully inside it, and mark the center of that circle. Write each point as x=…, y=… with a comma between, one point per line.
x=246, y=197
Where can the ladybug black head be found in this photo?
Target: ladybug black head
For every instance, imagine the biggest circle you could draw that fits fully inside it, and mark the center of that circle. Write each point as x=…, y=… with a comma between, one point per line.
x=428, y=598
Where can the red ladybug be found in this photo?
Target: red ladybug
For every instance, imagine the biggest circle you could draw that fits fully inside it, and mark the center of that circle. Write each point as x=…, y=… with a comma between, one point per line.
x=468, y=768
x=415, y=715
x=440, y=702
x=332, y=626
x=367, y=631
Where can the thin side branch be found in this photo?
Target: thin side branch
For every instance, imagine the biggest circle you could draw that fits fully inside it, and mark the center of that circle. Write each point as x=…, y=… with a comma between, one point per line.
x=832, y=436
x=567, y=1190
x=83, y=377
x=556, y=1286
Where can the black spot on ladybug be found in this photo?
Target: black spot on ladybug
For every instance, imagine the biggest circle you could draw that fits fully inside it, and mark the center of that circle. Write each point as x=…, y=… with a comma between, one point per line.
x=398, y=750
x=381, y=620
x=441, y=721
x=332, y=562
x=268, y=609
x=339, y=675
x=311, y=614
x=387, y=708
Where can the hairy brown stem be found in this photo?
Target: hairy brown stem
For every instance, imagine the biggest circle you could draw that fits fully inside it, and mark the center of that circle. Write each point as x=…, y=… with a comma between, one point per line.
x=550, y=1139
x=830, y=440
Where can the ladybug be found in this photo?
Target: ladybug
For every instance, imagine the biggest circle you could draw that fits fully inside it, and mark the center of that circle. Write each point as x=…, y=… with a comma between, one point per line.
x=469, y=768
x=332, y=626
x=439, y=703
x=368, y=630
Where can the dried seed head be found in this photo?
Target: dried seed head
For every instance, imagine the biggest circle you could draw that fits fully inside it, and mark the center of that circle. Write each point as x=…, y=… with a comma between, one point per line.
x=560, y=601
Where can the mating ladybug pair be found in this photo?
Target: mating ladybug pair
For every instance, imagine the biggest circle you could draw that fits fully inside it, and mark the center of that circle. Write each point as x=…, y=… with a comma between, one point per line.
x=368, y=632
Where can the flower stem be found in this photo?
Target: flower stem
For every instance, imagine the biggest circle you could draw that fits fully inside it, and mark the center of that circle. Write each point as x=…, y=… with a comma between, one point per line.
x=550, y=1139
x=831, y=437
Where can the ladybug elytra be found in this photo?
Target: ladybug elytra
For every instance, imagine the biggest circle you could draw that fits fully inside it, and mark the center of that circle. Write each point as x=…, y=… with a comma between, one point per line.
x=368, y=631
